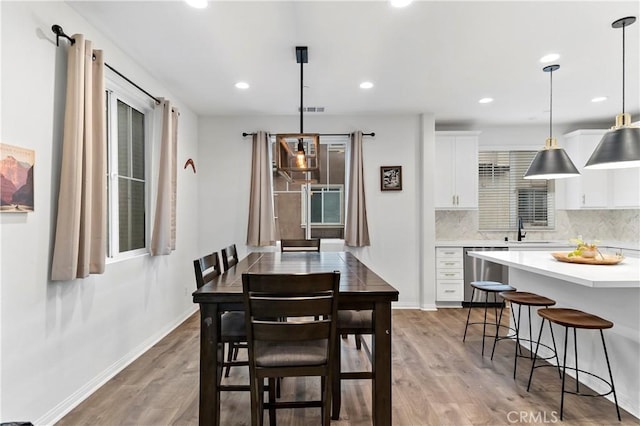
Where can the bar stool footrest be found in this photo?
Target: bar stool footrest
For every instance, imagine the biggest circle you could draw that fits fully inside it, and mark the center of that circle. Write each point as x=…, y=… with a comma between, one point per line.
x=606, y=382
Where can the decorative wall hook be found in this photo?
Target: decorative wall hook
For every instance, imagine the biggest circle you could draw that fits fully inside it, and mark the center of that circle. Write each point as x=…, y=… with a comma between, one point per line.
x=190, y=163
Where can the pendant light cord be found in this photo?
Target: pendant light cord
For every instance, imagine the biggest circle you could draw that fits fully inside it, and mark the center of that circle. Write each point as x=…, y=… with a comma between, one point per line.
x=623, y=66
x=550, y=101
x=301, y=88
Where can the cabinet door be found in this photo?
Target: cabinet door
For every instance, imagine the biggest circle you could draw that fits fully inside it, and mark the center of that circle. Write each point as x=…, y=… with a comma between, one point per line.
x=443, y=178
x=626, y=188
x=466, y=172
x=590, y=189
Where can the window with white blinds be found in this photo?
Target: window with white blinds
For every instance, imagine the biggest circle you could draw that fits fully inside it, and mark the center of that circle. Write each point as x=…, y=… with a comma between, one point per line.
x=504, y=196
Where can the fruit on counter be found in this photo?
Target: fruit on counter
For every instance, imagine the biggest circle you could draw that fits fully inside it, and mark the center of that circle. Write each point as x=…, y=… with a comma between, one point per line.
x=584, y=248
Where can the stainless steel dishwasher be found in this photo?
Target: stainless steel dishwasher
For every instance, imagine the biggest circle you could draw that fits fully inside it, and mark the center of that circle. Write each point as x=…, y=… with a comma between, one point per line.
x=482, y=270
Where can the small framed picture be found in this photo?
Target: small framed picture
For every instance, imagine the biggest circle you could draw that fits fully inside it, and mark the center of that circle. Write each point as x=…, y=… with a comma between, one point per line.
x=391, y=178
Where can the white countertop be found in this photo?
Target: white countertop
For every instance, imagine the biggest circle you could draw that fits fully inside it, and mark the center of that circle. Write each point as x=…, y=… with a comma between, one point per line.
x=623, y=275
x=529, y=243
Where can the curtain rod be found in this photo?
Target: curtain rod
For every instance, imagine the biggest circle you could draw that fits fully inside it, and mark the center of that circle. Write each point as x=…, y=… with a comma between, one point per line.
x=59, y=32
x=244, y=134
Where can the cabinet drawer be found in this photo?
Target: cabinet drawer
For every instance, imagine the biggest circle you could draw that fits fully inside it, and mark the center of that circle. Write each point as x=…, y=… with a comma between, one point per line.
x=450, y=291
x=447, y=252
x=449, y=274
x=449, y=263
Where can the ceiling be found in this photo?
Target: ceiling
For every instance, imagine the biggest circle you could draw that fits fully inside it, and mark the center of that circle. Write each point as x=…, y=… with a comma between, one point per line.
x=438, y=57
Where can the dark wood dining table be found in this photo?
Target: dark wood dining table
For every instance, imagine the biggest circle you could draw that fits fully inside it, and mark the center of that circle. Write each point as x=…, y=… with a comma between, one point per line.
x=360, y=288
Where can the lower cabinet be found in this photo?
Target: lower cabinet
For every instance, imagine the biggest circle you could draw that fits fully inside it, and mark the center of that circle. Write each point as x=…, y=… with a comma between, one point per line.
x=449, y=274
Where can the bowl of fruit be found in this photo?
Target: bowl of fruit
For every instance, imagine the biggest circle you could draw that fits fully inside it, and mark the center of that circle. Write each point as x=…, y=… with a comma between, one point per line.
x=585, y=249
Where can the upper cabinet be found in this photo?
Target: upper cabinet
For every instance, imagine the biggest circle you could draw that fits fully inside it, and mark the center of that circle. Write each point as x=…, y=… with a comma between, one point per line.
x=597, y=189
x=456, y=170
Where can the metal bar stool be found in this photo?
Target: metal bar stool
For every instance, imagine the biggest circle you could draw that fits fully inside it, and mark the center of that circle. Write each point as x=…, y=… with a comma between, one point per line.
x=488, y=287
x=573, y=318
x=523, y=298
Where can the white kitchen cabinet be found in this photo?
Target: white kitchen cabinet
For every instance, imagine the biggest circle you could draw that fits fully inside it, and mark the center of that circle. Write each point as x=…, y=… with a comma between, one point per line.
x=590, y=189
x=449, y=274
x=598, y=189
x=456, y=170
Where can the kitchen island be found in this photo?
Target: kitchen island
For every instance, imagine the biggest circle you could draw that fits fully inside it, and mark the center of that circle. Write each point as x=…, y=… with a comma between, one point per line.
x=609, y=291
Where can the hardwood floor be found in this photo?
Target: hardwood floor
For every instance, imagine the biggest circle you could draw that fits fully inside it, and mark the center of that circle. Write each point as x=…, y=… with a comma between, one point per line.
x=437, y=380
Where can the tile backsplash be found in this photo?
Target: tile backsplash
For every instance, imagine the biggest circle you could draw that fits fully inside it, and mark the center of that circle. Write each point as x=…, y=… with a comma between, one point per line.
x=602, y=225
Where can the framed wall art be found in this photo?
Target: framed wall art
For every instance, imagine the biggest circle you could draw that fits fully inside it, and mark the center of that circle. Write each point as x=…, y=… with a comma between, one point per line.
x=391, y=178
x=16, y=175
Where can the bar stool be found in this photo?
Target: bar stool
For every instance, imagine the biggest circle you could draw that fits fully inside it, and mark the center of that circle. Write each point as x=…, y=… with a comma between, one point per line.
x=573, y=318
x=523, y=298
x=488, y=287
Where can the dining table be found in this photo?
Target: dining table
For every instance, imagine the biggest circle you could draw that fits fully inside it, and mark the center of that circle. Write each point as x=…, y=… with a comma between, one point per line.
x=360, y=288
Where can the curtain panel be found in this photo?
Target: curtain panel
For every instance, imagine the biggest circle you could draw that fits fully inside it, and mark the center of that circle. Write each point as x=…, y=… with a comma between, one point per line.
x=356, y=232
x=81, y=223
x=163, y=236
x=261, y=230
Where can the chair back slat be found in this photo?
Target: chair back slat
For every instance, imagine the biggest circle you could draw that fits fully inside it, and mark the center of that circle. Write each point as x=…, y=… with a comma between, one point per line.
x=206, y=269
x=264, y=307
x=229, y=256
x=287, y=331
x=290, y=285
x=312, y=244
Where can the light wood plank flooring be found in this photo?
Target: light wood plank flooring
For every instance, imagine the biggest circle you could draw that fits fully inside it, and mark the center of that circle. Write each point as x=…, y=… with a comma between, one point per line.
x=437, y=380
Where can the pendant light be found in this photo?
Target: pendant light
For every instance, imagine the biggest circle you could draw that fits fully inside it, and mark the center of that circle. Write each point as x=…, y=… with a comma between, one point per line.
x=620, y=146
x=295, y=162
x=552, y=162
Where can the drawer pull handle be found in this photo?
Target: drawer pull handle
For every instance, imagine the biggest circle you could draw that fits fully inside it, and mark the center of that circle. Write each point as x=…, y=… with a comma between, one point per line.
x=449, y=291
x=450, y=275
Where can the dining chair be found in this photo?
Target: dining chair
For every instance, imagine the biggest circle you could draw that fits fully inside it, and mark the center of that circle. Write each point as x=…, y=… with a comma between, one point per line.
x=229, y=256
x=232, y=324
x=302, y=346
x=293, y=245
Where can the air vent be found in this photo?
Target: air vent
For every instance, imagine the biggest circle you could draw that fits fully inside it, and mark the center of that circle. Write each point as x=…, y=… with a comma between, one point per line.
x=312, y=109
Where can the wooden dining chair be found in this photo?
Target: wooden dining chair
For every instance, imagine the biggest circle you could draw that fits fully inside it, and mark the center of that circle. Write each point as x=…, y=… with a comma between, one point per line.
x=300, y=347
x=229, y=256
x=232, y=324
x=289, y=245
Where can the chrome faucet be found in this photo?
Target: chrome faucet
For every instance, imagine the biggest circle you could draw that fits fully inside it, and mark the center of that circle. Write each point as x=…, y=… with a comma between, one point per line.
x=521, y=234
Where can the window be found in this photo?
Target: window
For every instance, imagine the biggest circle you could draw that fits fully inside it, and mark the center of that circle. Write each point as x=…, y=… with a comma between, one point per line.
x=321, y=203
x=128, y=121
x=504, y=196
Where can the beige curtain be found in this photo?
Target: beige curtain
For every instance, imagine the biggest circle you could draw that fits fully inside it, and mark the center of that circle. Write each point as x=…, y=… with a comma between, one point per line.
x=356, y=232
x=163, y=237
x=81, y=227
x=261, y=230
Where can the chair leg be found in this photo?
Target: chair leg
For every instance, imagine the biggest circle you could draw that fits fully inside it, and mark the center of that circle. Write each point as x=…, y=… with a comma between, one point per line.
x=535, y=355
x=484, y=324
x=613, y=389
x=336, y=385
x=564, y=371
x=230, y=346
x=272, y=400
x=473, y=291
x=256, y=404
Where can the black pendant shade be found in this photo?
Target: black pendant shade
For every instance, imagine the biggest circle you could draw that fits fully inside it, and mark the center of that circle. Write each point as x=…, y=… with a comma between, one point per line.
x=619, y=147
x=552, y=162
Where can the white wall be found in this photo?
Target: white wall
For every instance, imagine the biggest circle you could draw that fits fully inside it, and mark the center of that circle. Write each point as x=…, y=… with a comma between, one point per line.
x=394, y=217
x=61, y=340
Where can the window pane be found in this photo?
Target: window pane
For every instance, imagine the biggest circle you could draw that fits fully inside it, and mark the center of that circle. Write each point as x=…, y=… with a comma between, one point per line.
x=131, y=213
x=137, y=144
x=316, y=206
x=124, y=139
x=332, y=207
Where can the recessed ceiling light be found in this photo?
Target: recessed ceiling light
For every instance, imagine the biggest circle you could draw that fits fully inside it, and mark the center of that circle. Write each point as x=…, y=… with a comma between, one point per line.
x=366, y=85
x=549, y=58
x=198, y=4
x=485, y=100
x=400, y=3
x=599, y=99
x=242, y=85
